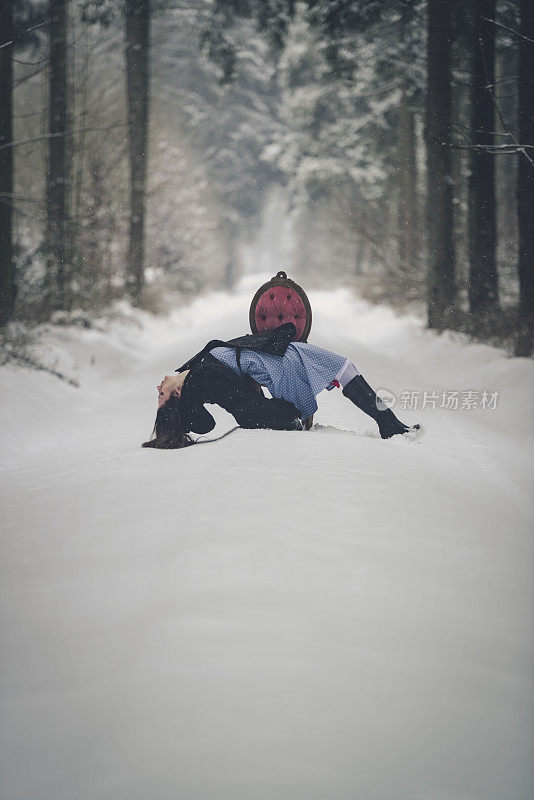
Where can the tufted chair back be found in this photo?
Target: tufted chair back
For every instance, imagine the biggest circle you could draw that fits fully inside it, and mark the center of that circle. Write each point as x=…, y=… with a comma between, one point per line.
x=278, y=301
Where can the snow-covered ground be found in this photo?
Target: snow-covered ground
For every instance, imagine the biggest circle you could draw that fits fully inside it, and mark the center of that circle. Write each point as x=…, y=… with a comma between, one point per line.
x=298, y=616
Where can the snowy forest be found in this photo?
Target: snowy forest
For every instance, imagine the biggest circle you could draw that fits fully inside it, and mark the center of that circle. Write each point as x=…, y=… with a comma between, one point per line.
x=335, y=606
x=141, y=143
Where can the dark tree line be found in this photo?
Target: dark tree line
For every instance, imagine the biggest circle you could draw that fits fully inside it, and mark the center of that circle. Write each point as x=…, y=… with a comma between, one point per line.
x=58, y=249
x=441, y=256
x=525, y=189
x=7, y=275
x=447, y=121
x=137, y=14
x=483, y=290
x=88, y=112
x=59, y=244
x=336, y=21
x=19, y=23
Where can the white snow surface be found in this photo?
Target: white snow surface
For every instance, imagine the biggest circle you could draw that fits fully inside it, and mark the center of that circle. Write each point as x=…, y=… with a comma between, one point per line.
x=284, y=615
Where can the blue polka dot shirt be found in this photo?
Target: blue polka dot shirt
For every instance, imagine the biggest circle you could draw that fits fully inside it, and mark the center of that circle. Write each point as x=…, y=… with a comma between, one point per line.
x=298, y=376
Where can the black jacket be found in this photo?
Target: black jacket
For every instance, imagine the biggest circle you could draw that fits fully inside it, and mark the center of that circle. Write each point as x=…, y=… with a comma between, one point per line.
x=273, y=342
x=211, y=381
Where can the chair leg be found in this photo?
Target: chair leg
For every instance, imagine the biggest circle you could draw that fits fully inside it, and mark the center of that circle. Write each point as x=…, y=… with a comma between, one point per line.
x=307, y=423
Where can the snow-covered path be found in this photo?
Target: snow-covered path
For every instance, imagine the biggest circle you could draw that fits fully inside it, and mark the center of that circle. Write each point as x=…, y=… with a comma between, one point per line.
x=296, y=616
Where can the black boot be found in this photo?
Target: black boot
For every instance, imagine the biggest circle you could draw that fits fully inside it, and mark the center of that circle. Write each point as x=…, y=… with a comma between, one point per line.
x=361, y=394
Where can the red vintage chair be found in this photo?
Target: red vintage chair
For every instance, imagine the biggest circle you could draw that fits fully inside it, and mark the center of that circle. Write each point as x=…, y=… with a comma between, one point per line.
x=278, y=301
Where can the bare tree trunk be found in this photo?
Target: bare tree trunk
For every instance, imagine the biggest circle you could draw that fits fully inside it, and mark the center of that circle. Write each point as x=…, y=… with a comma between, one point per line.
x=137, y=67
x=58, y=178
x=441, y=261
x=7, y=271
x=483, y=292
x=408, y=238
x=525, y=184
x=506, y=65
x=407, y=161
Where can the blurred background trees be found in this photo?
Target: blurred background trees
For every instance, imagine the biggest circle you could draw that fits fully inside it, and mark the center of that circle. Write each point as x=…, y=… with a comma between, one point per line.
x=146, y=147
x=7, y=273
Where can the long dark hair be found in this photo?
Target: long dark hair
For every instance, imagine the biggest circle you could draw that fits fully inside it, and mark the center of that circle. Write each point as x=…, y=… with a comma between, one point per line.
x=169, y=433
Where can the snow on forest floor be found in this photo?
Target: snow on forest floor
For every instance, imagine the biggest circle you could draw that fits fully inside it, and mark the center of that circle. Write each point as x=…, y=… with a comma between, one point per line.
x=284, y=615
